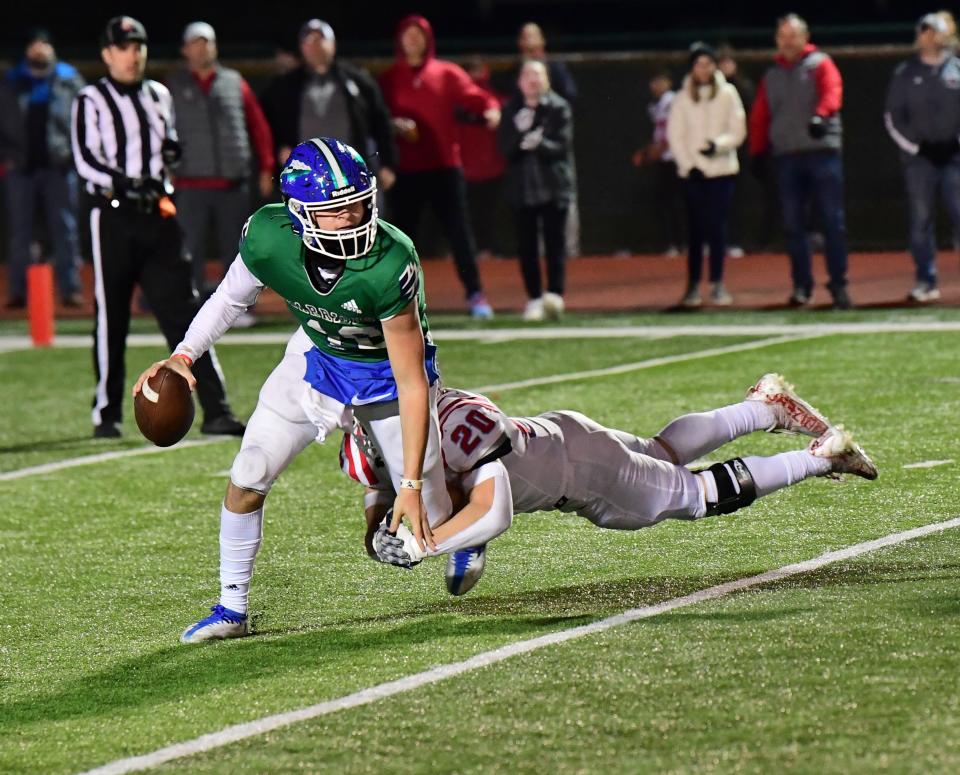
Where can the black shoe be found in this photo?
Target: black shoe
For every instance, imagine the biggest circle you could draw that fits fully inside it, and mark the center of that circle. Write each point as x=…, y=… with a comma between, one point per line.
x=107, y=430
x=841, y=299
x=16, y=302
x=224, y=425
x=72, y=300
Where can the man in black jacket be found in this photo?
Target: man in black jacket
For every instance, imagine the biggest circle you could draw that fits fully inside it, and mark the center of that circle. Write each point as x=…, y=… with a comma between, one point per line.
x=325, y=97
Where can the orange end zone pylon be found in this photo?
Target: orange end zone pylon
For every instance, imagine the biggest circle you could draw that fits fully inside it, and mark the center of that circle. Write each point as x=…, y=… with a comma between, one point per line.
x=40, y=304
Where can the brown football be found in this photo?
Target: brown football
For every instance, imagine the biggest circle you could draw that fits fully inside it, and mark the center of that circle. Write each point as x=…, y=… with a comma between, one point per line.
x=164, y=408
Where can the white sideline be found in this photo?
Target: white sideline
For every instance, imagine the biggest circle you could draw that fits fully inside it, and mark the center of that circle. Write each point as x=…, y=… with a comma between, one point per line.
x=12, y=343
x=86, y=460
x=548, y=380
x=239, y=732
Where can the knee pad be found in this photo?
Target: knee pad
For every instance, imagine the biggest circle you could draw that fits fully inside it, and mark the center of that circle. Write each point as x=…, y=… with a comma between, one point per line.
x=735, y=487
x=250, y=470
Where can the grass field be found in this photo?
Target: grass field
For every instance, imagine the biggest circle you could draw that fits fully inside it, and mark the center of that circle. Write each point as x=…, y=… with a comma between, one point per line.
x=851, y=668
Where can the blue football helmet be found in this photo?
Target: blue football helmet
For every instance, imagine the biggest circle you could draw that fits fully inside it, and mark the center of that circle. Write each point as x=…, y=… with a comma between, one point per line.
x=322, y=175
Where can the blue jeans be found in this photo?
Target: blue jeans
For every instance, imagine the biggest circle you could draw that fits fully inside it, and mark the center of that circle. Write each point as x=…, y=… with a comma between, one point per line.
x=923, y=180
x=803, y=176
x=57, y=190
x=708, y=210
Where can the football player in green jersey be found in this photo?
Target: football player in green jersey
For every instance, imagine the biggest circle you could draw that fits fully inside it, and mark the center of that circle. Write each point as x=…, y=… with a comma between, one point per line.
x=363, y=349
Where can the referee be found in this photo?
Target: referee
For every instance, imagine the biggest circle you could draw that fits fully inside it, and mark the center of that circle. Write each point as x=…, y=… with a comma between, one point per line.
x=123, y=142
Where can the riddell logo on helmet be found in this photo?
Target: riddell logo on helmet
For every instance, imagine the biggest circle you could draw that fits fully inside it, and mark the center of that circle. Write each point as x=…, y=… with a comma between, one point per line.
x=343, y=191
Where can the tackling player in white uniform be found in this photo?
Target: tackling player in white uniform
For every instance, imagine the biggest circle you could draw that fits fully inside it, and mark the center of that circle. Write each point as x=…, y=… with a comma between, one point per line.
x=566, y=461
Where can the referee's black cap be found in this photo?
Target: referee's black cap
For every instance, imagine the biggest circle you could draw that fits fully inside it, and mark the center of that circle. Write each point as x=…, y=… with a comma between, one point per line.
x=121, y=29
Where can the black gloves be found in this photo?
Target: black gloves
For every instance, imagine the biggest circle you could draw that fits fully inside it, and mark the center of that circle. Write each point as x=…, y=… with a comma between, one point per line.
x=817, y=128
x=171, y=152
x=143, y=192
x=939, y=153
x=709, y=150
x=695, y=174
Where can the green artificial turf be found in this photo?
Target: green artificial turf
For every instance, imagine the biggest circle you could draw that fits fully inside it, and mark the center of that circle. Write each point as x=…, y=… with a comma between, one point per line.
x=849, y=669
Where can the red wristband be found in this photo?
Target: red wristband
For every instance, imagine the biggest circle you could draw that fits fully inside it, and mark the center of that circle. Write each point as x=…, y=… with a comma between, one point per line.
x=187, y=358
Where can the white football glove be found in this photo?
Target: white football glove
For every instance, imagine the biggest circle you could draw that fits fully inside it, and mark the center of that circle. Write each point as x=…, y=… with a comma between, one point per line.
x=401, y=549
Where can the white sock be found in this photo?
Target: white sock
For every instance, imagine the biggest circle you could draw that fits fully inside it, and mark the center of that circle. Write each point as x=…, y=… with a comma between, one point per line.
x=694, y=435
x=240, y=537
x=772, y=473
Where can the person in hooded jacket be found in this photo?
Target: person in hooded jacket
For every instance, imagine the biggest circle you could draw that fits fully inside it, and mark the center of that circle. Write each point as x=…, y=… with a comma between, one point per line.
x=423, y=94
x=706, y=126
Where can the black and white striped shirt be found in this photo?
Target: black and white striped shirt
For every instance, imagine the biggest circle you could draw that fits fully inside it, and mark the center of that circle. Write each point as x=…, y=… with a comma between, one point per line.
x=117, y=130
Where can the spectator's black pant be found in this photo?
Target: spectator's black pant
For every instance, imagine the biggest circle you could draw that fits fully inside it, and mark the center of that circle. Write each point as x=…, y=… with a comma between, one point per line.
x=552, y=218
x=667, y=202
x=708, y=207
x=130, y=247
x=446, y=192
x=225, y=209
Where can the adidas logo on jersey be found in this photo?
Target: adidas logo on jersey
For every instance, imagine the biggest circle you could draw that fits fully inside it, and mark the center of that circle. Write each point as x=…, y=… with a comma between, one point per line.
x=351, y=306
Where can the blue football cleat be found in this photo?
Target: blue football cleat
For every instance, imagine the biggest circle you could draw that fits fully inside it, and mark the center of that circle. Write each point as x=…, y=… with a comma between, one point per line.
x=222, y=623
x=464, y=569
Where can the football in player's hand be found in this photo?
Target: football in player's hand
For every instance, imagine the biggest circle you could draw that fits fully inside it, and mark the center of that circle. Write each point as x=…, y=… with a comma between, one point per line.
x=164, y=408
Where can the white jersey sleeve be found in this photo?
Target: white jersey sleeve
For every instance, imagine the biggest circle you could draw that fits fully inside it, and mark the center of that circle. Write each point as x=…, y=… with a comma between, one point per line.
x=473, y=430
x=236, y=292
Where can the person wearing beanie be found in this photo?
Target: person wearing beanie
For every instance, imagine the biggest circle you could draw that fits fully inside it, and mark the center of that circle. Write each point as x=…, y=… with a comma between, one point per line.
x=706, y=126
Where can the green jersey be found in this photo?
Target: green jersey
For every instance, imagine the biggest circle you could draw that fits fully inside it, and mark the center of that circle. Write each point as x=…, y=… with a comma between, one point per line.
x=347, y=319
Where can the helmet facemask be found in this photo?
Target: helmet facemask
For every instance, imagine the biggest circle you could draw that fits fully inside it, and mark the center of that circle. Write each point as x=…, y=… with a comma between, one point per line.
x=342, y=244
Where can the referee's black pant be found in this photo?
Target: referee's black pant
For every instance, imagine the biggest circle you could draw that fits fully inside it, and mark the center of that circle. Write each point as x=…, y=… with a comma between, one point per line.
x=130, y=247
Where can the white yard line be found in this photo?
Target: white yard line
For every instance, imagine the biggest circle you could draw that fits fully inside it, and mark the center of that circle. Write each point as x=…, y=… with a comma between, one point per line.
x=495, y=335
x=548, y=380
x=239, y=732
x=86, y=460
x=928, y=463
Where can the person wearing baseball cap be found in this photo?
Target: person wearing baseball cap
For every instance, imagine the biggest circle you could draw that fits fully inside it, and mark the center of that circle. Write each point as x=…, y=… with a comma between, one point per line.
x=923, y=119
x=325, y=97
x=222, y=130
x=124, y=148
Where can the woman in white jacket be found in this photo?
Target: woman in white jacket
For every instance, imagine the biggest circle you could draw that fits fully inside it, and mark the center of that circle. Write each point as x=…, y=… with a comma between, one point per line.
x=706, y=126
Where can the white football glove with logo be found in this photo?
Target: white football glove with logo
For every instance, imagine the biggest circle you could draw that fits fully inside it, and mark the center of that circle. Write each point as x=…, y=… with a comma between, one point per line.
x=401, y=549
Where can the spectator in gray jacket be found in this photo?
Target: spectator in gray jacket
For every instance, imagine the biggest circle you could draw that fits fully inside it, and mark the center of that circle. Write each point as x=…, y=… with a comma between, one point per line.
x=36, y=156
x=536, y=136
x=923, y=118
x=222, y=132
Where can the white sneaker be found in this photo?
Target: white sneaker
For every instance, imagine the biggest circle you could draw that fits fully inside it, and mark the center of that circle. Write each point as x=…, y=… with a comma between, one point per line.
x=534, y=311
x=735, y=251
x=246, y=320
x=719, y=295
x=924, y=292
x=464, y=569
x=844, y=454
x=553, y=305
x=691, y=299
x=794, y=415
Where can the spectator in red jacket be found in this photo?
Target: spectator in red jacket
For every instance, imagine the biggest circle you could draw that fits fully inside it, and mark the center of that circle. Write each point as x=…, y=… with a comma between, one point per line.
x=483, y=165
x=796, y=117
x=423, y=94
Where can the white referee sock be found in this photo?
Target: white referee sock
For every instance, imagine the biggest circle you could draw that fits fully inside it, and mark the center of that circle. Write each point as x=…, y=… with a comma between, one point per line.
x=694, y=435
x=772, y=473
x=240, y=537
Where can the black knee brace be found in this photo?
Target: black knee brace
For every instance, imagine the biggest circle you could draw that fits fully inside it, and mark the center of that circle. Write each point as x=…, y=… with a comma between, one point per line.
x=735, y=487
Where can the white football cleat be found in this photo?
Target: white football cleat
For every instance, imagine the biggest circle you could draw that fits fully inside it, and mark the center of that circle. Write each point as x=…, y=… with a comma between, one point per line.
x=534, y=312
x=845, y=455
x=220, y=625
x=464, y=569
x=794, y=415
